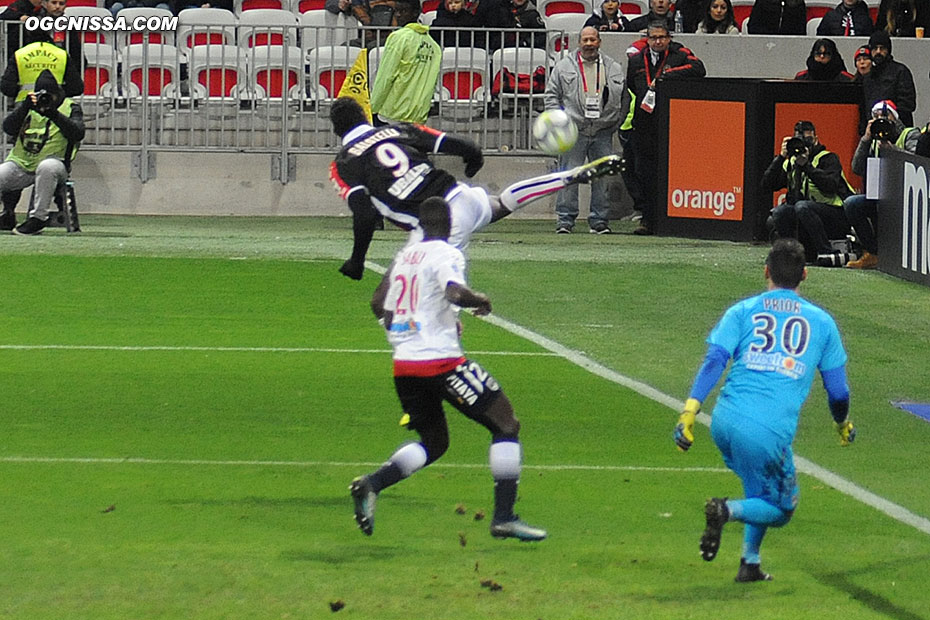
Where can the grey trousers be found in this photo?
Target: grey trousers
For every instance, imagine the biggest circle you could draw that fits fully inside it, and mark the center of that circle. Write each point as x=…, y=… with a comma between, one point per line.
x=48, y=175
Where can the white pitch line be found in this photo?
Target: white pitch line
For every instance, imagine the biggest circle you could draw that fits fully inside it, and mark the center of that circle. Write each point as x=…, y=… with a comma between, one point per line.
x=245, y=463
x=103, y=347
x=803, y=465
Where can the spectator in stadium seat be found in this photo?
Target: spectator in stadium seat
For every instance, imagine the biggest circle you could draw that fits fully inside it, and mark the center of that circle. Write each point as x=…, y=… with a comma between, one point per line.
x=899, y=18
x=662, y=59
x=861, y=212
x=339, y=6
x=849, y=18
x=756, y=416
x=17, y=13
x=430, y=367
x=179, y=5
x=48, y=127
x=813, y=208
x=408, y=69
x=659, y=11
x=375, y=13
x=523, y=15
x=453, y=14
x=116, y=6
x=588, y=85
x=888, y=79
x=825, y=64
x=607, y=17
x=718, y=19
x=863, y=60
x=778, y=17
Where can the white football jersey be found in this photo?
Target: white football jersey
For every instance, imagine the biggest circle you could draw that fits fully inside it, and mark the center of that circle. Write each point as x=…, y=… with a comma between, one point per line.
x=424, y=323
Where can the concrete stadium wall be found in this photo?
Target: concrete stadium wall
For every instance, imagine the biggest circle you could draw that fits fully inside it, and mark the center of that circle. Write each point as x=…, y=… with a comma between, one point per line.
x=240, y=184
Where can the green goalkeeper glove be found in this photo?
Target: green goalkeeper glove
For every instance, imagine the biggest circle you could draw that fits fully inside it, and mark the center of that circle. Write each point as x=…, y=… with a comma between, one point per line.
x=684, y=431
x=847, y=432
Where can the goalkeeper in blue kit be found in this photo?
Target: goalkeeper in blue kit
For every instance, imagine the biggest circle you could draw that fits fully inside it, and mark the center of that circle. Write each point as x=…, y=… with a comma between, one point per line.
x=776, y=340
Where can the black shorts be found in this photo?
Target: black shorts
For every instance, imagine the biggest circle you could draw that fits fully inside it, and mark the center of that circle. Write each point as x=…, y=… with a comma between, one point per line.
x=469, y=388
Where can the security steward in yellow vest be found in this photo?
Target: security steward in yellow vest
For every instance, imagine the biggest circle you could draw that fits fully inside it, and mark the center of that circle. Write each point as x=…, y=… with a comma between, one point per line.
x=48, y=128
x=813, y=209
x=28, y=62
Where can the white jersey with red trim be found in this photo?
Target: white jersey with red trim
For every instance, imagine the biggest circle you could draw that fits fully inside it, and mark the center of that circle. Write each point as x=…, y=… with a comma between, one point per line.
x=424, y=325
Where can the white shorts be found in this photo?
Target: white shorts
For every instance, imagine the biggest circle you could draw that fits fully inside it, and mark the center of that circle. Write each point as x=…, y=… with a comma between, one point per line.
x=470, y=209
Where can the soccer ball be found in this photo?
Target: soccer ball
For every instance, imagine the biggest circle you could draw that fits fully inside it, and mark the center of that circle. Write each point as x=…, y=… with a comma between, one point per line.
x=554, y=132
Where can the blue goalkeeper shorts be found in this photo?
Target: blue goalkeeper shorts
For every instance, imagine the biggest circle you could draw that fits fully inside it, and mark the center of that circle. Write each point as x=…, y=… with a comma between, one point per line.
x=762, y=459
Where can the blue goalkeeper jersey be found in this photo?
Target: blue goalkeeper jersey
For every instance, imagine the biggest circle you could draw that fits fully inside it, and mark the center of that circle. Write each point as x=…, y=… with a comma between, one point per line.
x=776, y=340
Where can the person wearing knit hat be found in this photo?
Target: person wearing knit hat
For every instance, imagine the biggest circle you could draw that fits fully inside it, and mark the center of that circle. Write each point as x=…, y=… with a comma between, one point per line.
x=48, y=128
x=863, y=60
x=888, y=79
x=862, y=212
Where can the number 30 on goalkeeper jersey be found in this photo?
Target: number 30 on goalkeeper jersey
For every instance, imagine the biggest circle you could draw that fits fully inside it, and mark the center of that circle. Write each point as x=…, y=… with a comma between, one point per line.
x=776, y=340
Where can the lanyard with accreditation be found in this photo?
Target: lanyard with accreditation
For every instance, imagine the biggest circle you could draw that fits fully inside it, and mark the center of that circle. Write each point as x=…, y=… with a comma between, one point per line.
x=592, y=105
x=649, y=101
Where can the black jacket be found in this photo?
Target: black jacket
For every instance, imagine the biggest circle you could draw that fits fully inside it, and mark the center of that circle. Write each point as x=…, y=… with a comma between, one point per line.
x=640, y=23
x=827, y=176
x=832, y=23
x=890, y=80
x=680, y=62
x=778, y=17
x=899, y=17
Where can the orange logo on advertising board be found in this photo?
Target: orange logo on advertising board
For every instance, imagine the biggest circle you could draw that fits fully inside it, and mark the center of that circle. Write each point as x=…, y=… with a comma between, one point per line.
x=706, y=149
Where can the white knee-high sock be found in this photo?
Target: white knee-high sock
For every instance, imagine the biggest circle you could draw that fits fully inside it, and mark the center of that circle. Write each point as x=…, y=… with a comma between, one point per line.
x=522, y=193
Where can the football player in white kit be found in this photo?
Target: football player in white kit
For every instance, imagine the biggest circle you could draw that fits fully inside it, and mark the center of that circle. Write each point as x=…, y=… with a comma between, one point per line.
x=420, y=314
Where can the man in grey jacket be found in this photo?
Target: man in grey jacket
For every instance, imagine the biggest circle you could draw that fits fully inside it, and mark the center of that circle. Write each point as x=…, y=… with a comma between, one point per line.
x=588, y=85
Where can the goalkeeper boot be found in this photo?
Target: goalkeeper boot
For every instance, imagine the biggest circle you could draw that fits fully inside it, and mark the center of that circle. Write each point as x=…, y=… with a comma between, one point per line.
x=364, y=497
x=717, y=514
x=518, y=529
x=750, y=572
x=609, y=165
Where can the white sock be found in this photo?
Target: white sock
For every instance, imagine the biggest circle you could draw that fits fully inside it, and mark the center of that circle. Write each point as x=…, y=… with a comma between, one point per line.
x=522, y=193
x=409, y=458
x=506, y=459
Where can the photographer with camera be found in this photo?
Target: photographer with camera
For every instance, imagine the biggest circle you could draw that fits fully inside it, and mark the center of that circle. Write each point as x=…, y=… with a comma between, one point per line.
x=884, y=131
x=48, y=128
x=813, y=208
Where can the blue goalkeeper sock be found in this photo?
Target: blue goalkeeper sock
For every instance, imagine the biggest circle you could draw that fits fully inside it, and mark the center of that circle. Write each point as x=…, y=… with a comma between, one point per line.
x=752, y=541
x=755, y=511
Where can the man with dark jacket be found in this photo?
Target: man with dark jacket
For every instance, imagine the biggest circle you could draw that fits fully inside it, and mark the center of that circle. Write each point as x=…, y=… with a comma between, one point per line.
x=813, y=208
x=659, y=11
x=888, y=80
x=850, y=18
x=778, y=17
x=17, y=13
x=662, y=59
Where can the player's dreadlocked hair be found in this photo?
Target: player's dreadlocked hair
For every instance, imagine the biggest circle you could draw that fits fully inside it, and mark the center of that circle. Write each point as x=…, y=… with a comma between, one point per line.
x=786, y=263
x=345, y=114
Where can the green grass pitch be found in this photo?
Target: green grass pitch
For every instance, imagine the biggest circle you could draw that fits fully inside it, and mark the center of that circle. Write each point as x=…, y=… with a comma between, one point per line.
x=183, y=402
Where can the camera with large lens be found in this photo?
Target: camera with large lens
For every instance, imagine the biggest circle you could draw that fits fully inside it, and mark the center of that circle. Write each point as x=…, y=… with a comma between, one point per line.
x=796, y=146
x=44, y=99
x=835, y=259
x=882, y=129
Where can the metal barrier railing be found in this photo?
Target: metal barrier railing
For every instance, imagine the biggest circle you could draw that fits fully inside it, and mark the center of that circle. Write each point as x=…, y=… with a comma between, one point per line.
x=266, y=88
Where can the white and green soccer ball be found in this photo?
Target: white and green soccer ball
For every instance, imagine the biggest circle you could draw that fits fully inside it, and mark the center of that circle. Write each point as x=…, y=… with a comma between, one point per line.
x=555, y=132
